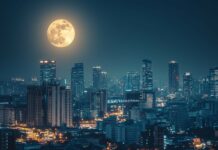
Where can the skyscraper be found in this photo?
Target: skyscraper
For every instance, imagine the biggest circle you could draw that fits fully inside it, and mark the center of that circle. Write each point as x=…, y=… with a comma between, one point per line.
x=77, y=80
x=132, y=81
x=173, y=76
x=7, y=139
x=98, y=103
x=49, y=105
x=96, y=77
x=66, y=107
x=103, y=80
x=99, y=78
x=35, y=112
x=152, y=137
x=213, y=82
x=7, y=114
x=59, y=106
x=204, y=86
x=147, y=75
x=187, y=85
x=178, y=114
x=47, y=71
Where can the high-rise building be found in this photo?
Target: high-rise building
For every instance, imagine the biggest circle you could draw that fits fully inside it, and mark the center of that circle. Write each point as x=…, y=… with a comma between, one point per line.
x=98, y=103
x=85, y=104
x=204, y=86
x=99, y=78
x=7, y=114
x=21, y=113
x=173, y=76
x=187, y=85
x=16, y=86
x=127, y=132
x=177, y=111
x=77, y=89
x=35, y=112
x=66, y=106
x=213, y=82
x=96, y=77
x=59, y=107
x=77, y=80
x=132, y=81
x=7, y=139
x=195, y=87
x=147, y=75
x=132, y=133
x=152, y=137
x=47, y=71
x=103, y=80
x=53, y=100
x=49, y=105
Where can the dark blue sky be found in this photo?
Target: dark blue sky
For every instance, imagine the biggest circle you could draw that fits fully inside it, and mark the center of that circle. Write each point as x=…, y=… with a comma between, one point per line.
x=116, y=34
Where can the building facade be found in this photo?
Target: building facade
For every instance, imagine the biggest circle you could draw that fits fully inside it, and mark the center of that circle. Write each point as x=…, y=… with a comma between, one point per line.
x=49, y=106
x=173, y=76
x=213, y=82
x=187, y=85
x=147, y=75
x=132, y=81
x=47, y=71
x=99, y=78
x=96, y=77
x=98, y=103
x=7, y=139
x=77, y=80
x=59, y=107
x=35, y=111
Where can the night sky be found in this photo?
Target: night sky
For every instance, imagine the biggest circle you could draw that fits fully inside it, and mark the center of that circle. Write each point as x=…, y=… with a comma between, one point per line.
x=116, y=34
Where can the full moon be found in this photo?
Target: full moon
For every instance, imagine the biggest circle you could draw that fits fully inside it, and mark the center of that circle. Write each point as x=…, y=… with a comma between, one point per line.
x=61, y=33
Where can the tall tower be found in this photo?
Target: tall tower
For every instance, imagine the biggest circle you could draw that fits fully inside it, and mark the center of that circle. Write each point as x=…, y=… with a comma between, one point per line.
x=132, y=81
x=59, y=106
x=147, y=75
x=205, y=86
x=47, y=71
x=213, y=82
x=66, y=106
x=103, y=80
x=173, y=76
x=49, y=105
x=98, y=103
x=97, y=77
x=77, y=80
x=187, y=85
x=35, y=109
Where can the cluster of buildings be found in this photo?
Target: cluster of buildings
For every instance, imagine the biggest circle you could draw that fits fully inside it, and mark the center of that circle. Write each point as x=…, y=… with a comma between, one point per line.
x=127, y=111
x=49, y=104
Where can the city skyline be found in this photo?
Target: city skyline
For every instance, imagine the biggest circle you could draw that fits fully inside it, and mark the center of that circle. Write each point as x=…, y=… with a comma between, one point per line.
x=109, y=75
x=172, y=33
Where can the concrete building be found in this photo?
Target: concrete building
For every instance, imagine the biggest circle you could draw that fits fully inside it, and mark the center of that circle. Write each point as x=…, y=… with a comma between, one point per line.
x=35, y=108
x=147, y=75
x=98, y=103
x=187, y=85
x=59, y=111
x=47, y=71
x=173, y=76
x=213, y=82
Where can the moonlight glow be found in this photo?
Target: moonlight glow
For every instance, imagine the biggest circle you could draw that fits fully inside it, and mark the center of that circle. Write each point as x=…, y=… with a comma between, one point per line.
x=61, y=33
